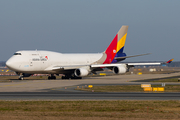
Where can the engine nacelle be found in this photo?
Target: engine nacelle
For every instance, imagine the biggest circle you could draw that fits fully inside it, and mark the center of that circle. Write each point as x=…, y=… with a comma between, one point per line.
x=119, y=69
x=81, y=72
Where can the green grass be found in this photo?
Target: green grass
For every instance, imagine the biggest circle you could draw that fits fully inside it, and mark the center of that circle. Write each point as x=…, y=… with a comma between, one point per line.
x=167, y=80
x=113, y=88
x=127, y=88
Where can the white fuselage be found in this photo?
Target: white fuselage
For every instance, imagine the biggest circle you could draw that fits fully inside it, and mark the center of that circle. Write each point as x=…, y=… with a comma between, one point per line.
x=39, y=61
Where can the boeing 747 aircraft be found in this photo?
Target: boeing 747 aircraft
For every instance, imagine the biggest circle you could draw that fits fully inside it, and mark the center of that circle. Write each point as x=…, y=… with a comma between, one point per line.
x=73, y=66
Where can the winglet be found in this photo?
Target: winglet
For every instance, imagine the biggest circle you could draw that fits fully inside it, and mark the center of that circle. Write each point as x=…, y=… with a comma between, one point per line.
x=170, y=61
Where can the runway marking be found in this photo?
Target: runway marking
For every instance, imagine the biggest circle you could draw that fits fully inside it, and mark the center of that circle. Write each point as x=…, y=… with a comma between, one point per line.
x=63, y=88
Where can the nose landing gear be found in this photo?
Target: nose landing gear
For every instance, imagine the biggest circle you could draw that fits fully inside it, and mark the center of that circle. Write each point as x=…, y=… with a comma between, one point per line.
x=21, y=77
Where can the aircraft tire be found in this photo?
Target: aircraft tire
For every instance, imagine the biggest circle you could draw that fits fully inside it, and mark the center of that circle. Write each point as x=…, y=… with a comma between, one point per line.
x=52, y=77
x=74, y=77
x=79, y=78
x=65, y=77
x=21, y=78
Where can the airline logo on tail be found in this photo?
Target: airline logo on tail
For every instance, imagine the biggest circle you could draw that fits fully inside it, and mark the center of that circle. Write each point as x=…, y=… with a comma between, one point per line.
x=170, y=61
x=115, y=49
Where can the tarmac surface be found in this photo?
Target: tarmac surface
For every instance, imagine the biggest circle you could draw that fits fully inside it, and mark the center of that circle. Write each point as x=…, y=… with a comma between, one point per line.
x=64, y=89
x=87, y=96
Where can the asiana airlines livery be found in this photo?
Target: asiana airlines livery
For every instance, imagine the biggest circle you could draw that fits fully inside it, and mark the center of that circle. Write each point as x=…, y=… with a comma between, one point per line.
x=73, y=66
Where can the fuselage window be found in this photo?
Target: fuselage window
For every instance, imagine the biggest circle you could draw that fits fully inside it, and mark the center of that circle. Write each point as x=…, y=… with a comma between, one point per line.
x=17, y=53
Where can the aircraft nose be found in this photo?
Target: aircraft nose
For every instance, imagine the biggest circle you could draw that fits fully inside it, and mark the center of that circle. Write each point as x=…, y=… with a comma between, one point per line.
x=9, y=63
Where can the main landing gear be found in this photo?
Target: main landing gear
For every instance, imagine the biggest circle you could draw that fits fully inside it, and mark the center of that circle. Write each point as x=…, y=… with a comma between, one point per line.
x=67, y=76
x=51, y=77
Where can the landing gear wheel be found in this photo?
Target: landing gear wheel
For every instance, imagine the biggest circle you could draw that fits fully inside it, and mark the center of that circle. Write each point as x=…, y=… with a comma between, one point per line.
x=21, y=78
x=54, y=77
x=51, y=77
x=66, y=77
x=76, y=77
x=71, y=77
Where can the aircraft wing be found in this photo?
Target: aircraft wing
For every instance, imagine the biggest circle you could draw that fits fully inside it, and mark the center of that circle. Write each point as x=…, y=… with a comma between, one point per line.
x=94, y=66
x=129, y=64
x=144, y=63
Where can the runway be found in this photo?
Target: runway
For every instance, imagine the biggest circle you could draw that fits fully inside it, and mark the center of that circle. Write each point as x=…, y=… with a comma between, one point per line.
x=64, y=89
x=87, y=96
x=44, y=85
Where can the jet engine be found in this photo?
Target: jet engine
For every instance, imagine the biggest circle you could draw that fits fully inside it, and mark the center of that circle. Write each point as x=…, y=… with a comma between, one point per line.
x=119, y=69
x=81, y=72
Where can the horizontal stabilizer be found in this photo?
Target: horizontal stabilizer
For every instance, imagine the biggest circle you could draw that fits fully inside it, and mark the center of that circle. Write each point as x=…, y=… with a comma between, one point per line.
x=131, y=56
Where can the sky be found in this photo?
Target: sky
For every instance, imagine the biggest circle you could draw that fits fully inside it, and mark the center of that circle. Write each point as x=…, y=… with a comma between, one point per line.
x=89, y=26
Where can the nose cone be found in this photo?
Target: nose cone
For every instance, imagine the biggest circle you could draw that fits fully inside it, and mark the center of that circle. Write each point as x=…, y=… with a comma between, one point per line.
x=11, y=64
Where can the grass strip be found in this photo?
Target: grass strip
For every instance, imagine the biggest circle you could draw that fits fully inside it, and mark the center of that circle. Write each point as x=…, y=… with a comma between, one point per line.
x=127, y=88
x=167, y=80
x=99, y=110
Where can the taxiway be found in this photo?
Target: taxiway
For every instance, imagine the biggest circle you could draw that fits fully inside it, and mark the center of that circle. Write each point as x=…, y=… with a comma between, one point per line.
x=64, y=89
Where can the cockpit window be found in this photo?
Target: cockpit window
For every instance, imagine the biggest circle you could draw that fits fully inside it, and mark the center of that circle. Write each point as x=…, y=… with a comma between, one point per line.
x=17, y=53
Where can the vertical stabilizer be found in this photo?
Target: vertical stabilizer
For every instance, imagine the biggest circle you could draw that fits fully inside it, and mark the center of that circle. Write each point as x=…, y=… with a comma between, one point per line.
x=117, y=46
x=122, y=38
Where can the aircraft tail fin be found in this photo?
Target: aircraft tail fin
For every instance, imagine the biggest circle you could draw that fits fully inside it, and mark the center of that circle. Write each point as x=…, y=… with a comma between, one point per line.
x=117, y=45
x=170, y=61
x=121, y=39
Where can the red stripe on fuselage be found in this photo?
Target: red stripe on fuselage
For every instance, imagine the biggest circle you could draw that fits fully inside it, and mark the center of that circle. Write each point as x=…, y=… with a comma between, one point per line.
x=111, y=50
